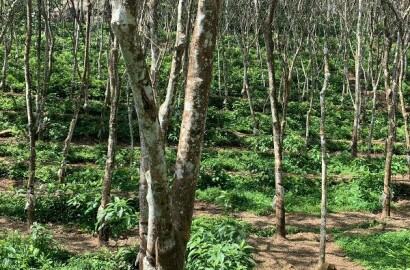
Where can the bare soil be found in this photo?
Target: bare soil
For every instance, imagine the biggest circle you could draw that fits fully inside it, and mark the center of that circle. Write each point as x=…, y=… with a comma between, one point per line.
x=298, y=251
x=301, y=250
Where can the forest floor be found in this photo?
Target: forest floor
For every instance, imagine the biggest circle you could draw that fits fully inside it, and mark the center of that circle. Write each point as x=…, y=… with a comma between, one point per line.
x=299, y=251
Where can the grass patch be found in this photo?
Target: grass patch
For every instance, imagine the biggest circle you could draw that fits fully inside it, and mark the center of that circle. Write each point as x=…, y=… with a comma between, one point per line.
x=379, y=251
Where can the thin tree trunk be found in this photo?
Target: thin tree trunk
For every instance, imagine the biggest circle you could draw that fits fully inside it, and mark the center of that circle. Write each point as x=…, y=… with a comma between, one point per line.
x=405, y=114
x=100, y=50
x=323, y=208
x=390, y=138
x=32, y=163
x=48, y=66
x=165, y=111
x=38, y=53
x=7, y=50
x=112, y=137
x=226, y=90
x=83, y=91
x=87, y=45
x=358, y=94
x=279, y=203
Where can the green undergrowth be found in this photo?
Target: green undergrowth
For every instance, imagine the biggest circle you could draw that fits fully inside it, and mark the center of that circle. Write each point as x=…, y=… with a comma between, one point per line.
x=39, y=250
x=219, y=243
x=215, y=243
x=378, y=251
x=301, y=194
x=271, y=230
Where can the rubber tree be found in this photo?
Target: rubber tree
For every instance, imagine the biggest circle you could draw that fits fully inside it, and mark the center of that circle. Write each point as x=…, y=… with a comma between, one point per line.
x=82, y=97
x=30, y=119
x=323, y=206
x=112, y=137
x=169, y=210
x=391, y=111
x=270, y=61
x=245, y=42
x=165, y=111
x=357, y=88
x=374, y=68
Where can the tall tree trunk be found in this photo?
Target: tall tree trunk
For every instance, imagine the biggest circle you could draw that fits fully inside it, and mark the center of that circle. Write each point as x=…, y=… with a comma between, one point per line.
x=160, y=239
x=193, y=122
x=112, y=137
x=30, y=118
x=87, y=45
x=38, y=53
x=405, y=114
x=323, y=208
x=279, y=204
x=85, y=78
x=358, y=93
x=390, y=138
x=47, y=70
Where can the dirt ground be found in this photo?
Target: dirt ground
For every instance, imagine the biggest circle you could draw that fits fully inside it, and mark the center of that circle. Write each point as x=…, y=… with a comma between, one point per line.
x=299, y=251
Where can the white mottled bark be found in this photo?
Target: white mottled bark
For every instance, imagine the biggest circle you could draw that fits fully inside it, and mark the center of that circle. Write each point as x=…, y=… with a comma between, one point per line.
x=193, y=121
x=160, y=240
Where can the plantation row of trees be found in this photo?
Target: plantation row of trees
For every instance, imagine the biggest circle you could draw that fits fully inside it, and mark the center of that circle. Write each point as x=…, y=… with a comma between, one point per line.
x=358, y=46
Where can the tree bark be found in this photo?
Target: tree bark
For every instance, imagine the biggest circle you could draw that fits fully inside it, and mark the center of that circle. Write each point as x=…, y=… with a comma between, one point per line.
x=193, y=122
x=279, y=204
x=323, y=210
x=358, y=93
x=30, y=118
x=112, y=136
x=160, y=239
x=165, y=111
x=392, y=125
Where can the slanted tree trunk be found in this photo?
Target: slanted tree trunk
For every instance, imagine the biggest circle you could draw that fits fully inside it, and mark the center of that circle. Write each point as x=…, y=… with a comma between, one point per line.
x=358, y=93
x=166, y=239
x=30, y=118
x=323, y=207
x=9, y=18
x=103, y=235
x=165, y=111
x=392, y=126
x=279, y=203
x=160, y=239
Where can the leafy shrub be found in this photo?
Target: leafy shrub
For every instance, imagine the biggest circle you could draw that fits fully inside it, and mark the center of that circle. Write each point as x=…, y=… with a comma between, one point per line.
x=40, y=251
x=118, y=216
x=219, y=244
x=36, y=251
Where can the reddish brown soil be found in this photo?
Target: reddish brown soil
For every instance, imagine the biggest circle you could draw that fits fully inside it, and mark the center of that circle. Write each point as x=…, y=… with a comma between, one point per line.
x=299, y=251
